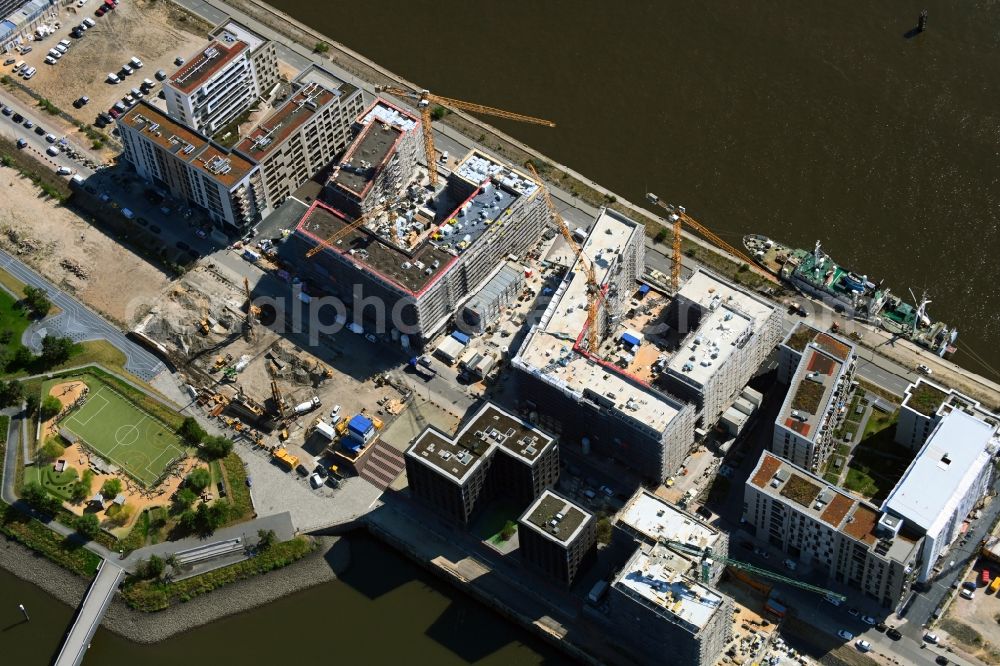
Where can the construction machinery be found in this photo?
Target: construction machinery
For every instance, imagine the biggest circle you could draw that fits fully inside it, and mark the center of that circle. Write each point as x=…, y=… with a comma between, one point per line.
x=594, y=294
x=253, y=311
x=424, y=100
x=678, y=217
x=350, y=227
x=279, y=400
x=707, y=557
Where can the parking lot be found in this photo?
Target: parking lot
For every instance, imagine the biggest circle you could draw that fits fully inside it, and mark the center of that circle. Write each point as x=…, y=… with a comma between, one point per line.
x=151, y=31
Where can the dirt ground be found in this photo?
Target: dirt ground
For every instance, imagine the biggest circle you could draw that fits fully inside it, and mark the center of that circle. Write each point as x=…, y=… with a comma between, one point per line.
x=974, y=624
x=64, y=242
x=149, y=30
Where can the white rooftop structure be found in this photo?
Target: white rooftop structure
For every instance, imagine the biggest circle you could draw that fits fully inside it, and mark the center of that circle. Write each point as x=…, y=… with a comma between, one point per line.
x=232, y=31
x=659, y=579
x=390, y=115
x=477, y=167
x=939, y=478
x=656, y=518
x=549, y=347
x=732, y=316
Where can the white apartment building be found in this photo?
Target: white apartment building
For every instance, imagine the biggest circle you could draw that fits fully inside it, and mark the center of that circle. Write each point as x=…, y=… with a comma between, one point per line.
x=925, y=404
x=816, y=403
x=217, y=84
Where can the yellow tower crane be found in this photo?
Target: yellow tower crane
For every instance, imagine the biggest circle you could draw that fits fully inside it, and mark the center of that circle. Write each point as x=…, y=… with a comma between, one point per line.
x=678, y=217
x=594, y=294
x=424, y=100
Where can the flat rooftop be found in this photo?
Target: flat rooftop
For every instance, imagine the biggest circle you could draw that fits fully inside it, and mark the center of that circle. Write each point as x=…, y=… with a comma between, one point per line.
x=660, y=578
x=943, y=471
x=811, y=392
x=814, y=497
x=412, y=272
x=286, y=120
x=655, y=518
x=187, y=145
x=802, y=334
x=729, y=317
x=366, y=157
x=549, y=349
x=491, y=429
x=231, y=31
x=390, y=114
x=556, y=518
x=477, y=167
x=206, y=64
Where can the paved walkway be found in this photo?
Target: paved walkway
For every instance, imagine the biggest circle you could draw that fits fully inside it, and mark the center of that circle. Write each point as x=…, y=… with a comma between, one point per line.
x=90, y=614
x=78, y=322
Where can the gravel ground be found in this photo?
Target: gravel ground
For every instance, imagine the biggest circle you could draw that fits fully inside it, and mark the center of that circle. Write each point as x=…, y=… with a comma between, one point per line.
x=331, y=557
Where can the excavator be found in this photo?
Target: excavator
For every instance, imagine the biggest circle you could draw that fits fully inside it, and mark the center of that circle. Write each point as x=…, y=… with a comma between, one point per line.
x=425, y=99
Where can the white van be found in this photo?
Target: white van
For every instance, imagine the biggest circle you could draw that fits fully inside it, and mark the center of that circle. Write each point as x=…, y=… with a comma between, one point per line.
x=55, y=54
x=28, y=73
x=90, y=22
x=65, y=43
x=61, y=48
x=113, y=78
x=19, y=66
x=135, y=62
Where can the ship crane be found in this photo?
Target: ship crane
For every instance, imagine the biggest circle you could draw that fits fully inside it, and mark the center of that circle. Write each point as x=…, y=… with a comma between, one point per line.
x=679, y=217
x=921, y=315
x=706, y=555
x=594, y=293
x=424, y=100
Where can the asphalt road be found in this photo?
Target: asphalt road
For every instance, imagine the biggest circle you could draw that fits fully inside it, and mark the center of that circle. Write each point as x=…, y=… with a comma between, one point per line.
x=79, y=323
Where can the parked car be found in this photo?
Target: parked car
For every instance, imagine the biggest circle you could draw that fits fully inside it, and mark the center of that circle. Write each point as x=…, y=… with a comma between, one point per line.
x=931, y=638
x=6, y=110
x=967, y=594
x=249, y=481
x=21, y=143
x=39, y=130
x=864, y=645
x=869, y=620
x=64, y=171
x=852, y=611
x=52, y=150
x=894, y=633
x=317, y=481
x=28, y=124
x=51, y=138
x=941, y=659
x=81, y=102
x=845, y=634
x=17, y=117
x=181, y=245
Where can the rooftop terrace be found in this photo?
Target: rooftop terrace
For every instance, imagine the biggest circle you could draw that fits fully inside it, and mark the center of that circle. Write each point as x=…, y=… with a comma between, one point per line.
x=491, y=429
x=659, y=578
x=549, y=348
x=286, y=120
x=811, y=392
x=654, y=518
x=206, y=64
x=556, y=518
x=366, y=157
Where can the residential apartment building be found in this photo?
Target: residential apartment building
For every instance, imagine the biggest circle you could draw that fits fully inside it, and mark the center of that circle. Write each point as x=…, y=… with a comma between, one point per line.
x=588, y=400
x=726, y=333
x=816, y=403
x=381, y=161
x=410, y=268
x=484, y=308
x=494, y=454
x=225, y=185
x=821, y=526
x=557, y=538
x=662, y=613
x=20, y=19
x=925, y=404
x=304, y=134
x=948, y=478
x=790, y=349
x=220, y=82
x=649, y=519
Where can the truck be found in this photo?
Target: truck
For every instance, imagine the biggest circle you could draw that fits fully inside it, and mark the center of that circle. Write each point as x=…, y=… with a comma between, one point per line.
x=307, y=406
x=597, y=592
x=421, y=366
x=325, y=429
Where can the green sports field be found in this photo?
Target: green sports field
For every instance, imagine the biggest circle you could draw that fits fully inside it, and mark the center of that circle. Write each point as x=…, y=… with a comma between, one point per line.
x=124, y=435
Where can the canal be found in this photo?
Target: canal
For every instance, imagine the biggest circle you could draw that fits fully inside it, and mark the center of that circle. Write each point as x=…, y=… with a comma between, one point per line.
x=383, y=610
x=798, y=120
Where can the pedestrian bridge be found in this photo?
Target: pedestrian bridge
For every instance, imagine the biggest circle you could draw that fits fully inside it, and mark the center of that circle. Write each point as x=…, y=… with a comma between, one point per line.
x=89, y=616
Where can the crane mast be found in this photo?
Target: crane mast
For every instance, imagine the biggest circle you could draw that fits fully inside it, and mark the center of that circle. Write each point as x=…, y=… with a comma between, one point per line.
x=425, y=98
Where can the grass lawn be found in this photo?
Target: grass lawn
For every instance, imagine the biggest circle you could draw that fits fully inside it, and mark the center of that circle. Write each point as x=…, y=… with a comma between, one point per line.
x=124, y=434
x=860, y=481
x=491, y=522
x=56, y=483
x=13, y=321
x=878, y=462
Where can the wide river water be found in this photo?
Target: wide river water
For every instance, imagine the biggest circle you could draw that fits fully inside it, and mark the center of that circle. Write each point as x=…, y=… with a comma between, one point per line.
x=799, y=120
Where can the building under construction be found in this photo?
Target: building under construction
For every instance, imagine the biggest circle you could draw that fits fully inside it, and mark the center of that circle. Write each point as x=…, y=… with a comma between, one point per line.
x=421, y=255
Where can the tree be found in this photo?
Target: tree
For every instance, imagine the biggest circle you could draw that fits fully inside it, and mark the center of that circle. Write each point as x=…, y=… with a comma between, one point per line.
x=216, y=446
x=111, y=488
x=151, y=568
x=37, y=300
x=321, y=47
x=661, y=236
x=184, y=498
x=50, y=407
x=217, y=515
x=22, y=358
x=198, y=479
x=55, y=350
x=88, y=525
x=509, y=530
x=603, y=530
x=81, y=489
x=11, y=392
x=191, y=431
x=51, y=450
x=438, y=112
x=31, y=404
x=34, y=494
x=265, y=539
x=189, y=520
x=120, y=513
